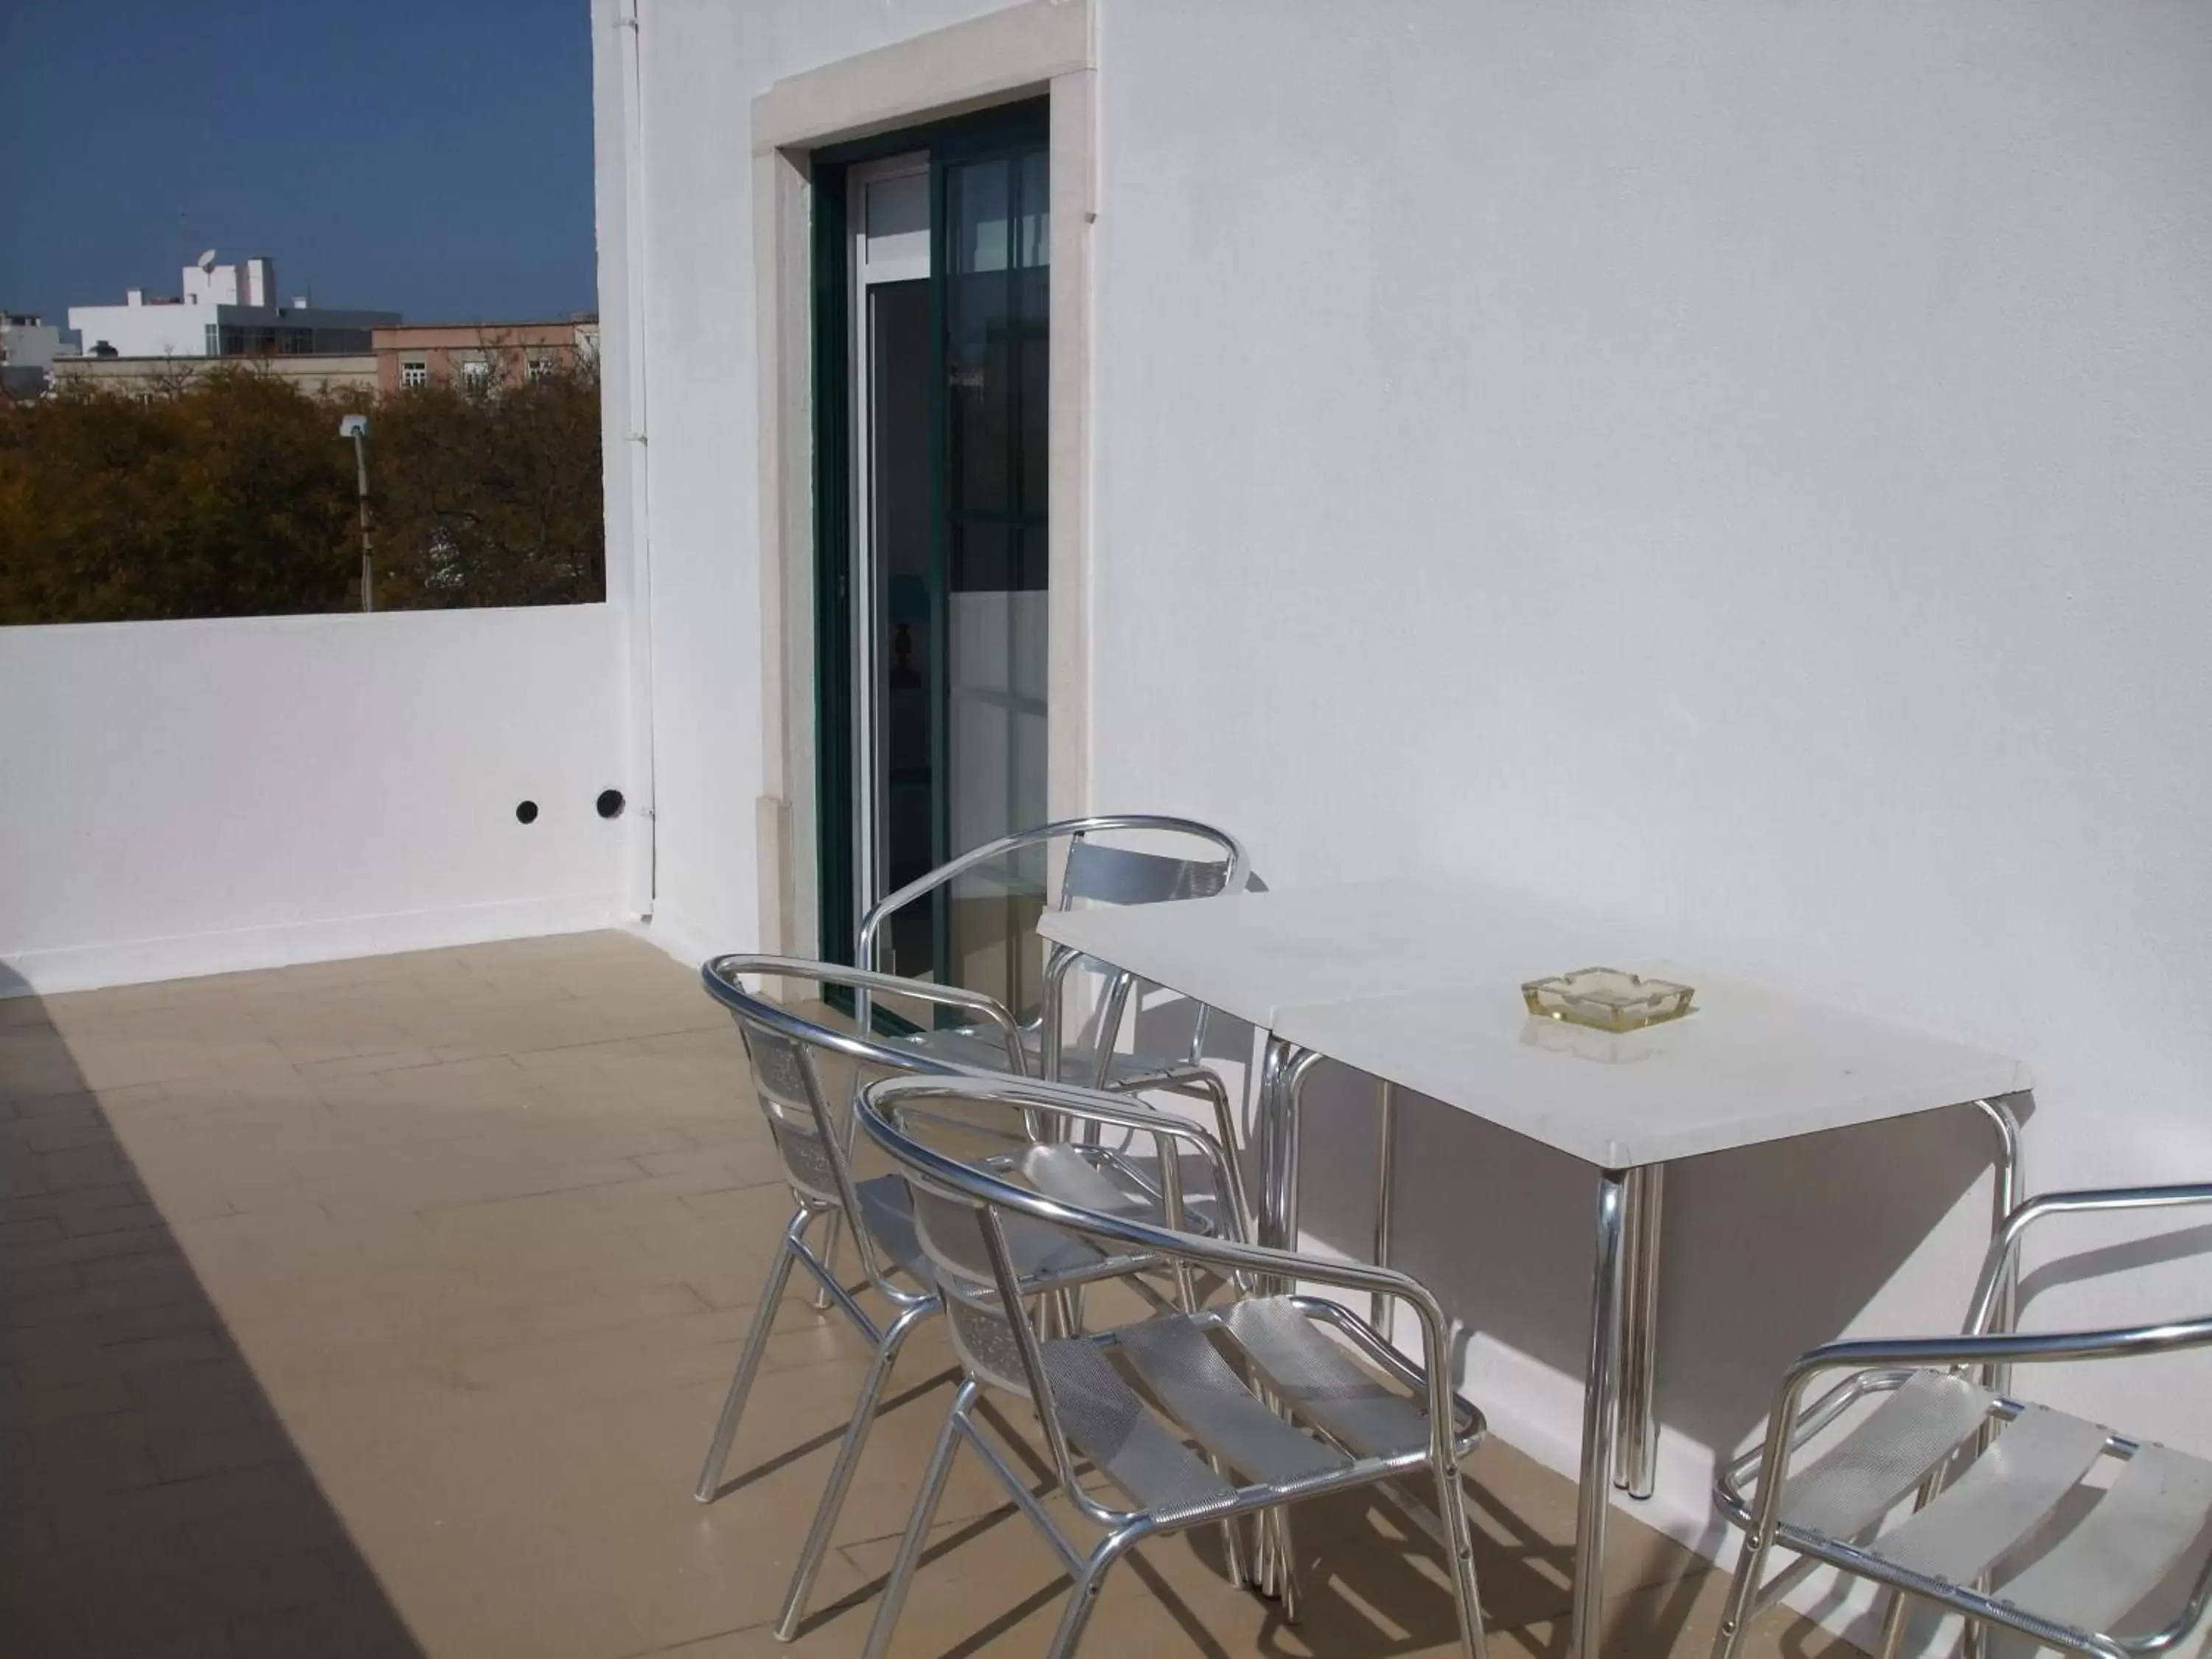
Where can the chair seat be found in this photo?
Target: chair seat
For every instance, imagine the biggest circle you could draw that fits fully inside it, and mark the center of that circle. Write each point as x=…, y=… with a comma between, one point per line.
x=1202, y=1398
x=2078, y=1553
x=980, y=1049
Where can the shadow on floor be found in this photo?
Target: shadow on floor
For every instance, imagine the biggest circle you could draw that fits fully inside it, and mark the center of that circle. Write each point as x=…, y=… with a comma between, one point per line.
x=151, y=1505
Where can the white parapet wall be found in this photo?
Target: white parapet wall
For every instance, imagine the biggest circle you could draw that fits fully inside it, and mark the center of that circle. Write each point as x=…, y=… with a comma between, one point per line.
x=182, y=798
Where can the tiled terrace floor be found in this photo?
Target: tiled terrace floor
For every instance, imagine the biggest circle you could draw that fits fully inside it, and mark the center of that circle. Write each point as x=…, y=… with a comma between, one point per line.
x=383, y=1308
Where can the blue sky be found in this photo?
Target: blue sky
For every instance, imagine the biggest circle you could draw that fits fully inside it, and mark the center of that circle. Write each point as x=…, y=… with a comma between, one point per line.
x=430, y=158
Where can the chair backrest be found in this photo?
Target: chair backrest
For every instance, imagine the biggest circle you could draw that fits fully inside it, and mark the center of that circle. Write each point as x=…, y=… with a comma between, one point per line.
x=786, y=1050
x=1094, y=872
x=1099, y=873
x=961, y=1220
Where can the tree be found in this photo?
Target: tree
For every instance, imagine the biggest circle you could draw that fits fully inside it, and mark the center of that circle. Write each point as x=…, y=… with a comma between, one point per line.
x=230, y=494
x=490, y=493
x=223, y=499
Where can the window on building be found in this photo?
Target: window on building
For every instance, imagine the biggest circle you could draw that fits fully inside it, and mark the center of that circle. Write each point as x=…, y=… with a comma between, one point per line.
x=540, y=367
x=475, y=372
x=415, y=373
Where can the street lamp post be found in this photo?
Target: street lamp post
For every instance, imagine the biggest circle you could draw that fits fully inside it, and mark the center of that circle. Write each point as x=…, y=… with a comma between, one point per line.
x=356, y=427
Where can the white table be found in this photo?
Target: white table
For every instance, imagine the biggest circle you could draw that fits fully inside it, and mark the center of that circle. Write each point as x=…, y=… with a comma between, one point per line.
x=1421, y=988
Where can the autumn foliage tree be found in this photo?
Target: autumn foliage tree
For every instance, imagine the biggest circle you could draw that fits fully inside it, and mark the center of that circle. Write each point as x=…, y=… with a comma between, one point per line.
x=231, y=495
x=490, y=493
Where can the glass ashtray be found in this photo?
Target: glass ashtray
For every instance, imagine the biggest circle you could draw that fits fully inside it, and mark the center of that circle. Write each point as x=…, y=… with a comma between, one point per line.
x=1606, y=998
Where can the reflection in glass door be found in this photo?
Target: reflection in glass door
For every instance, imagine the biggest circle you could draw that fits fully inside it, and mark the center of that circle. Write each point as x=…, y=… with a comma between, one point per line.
x=931, y=518
x=995, y=342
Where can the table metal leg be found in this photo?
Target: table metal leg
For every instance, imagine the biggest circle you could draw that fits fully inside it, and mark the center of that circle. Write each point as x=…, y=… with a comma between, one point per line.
x=1636, y=1446
x=2004, y=1197
x=1386, y=1147
x=1290, y=1125
x=1284, y=1068
x=1600, y=1415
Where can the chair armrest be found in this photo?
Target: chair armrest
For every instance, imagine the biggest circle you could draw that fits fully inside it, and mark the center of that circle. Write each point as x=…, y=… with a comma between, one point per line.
x=1788, y=1429
x=1999, y=1348
x=1983, y=1311
x=723, y=971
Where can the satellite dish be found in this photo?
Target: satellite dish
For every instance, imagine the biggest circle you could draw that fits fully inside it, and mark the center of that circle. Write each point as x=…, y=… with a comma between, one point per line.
x=206, y=261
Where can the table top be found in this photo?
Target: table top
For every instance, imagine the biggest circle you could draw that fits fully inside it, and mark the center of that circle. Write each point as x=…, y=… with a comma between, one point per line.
x=1424, y=989
x=1253, y=955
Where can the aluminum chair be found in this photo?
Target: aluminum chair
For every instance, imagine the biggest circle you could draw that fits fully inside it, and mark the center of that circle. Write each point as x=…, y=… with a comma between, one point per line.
x=1311, y=1421
x=2024, y=1518
x=1093, y=872
x=784, y=1049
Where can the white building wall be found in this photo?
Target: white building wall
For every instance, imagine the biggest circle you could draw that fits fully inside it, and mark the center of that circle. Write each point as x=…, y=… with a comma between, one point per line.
x=1739, y=470
x=700, y=65
x=144, y=331
x=192, y=797
x=33, y=345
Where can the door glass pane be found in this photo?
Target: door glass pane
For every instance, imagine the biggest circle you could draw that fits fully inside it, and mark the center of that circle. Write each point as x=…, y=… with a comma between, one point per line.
x=981, y=194
x=898, y=362
x=897, y=222
x=996, y=341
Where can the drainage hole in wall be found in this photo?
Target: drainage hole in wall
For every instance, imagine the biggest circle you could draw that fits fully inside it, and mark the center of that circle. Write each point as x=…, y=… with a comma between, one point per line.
x=526, y=812
x=611, y=803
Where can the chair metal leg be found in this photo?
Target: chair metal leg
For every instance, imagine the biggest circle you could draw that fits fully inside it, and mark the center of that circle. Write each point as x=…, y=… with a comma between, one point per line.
x=733, y=1404
x=1232, y=1543
x=841, y=1472
x=1084, y=1596
x=1735, y=1620
x=1459, y=1546
x=917, y=1526
x=1224, y=1129
x=1637, y=1443
x=1386, y=1147
x=820, y=1300
x=1600, y=1417
x=1892, y=1624
x=1067, y=1311
x=1275, y=1528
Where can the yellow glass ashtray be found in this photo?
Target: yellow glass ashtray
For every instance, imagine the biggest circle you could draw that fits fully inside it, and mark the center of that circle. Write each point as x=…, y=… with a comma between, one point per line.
x=1606, y=1000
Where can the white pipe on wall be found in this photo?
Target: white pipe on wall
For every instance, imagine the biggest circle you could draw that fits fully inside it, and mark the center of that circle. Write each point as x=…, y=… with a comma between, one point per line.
x=642, y=881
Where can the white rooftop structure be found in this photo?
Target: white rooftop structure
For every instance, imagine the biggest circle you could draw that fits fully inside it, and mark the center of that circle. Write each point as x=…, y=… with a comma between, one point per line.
x=225, y=311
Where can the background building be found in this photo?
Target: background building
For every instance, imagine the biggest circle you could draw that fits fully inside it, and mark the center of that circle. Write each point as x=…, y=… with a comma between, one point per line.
x=423, y=354
x=318, y=371
x=226, y=311
x=28, y=348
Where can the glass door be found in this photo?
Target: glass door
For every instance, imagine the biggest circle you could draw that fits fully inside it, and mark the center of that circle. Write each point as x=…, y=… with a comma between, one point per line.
x=932, y=336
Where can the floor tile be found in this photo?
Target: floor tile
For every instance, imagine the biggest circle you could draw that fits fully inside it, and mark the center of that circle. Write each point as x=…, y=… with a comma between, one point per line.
x=385, y=1308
